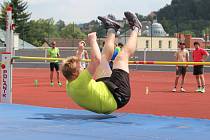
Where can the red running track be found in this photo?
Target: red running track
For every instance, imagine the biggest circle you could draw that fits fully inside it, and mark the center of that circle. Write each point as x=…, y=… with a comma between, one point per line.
x=159, y=100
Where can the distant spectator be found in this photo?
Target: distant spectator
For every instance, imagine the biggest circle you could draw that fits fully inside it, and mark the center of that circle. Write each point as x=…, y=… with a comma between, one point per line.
x=53, y=52
x=182, y=55
x=199, y=55
x=81, y=53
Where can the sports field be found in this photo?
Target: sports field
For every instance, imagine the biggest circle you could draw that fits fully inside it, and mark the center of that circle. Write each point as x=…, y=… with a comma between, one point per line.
x=159, y=100
x=154, y=112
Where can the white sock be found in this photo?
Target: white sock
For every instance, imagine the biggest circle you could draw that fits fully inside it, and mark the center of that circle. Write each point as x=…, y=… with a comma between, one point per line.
x=137, y=29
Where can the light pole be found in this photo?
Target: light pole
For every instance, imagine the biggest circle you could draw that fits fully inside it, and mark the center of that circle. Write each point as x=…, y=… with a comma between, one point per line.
x=48, y=34
x=23, y=34
x=73, y=34
x=205, y=40
x=206, y=37
x=125, y=30
x=151, y=32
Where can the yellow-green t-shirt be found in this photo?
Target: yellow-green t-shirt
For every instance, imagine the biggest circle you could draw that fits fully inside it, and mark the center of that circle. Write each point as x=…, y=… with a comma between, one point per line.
x=91, y=95
x=53, y=53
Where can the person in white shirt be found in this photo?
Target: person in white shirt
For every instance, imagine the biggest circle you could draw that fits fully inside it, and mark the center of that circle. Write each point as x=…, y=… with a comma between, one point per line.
x=82, y=53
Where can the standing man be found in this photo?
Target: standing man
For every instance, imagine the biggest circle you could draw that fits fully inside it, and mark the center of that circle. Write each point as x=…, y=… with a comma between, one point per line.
x=199, y=55
x=53, y=52
x=182, y=55
x=81, y=53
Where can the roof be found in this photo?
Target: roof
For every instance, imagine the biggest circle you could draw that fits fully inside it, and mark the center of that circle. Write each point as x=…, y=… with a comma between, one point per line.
x=21, y=43
x=198, y=38
x=63, y=42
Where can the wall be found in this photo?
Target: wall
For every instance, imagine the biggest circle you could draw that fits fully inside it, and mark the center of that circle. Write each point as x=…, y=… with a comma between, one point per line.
x=158, y=43
x=145, y=42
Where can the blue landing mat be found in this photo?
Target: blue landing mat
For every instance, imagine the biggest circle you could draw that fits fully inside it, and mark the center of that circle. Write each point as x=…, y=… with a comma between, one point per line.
x=19, y=122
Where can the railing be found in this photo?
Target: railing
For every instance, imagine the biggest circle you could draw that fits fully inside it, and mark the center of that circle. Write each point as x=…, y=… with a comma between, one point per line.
x=140, y=55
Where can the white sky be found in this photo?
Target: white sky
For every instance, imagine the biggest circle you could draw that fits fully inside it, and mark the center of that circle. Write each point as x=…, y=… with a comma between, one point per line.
x=81, y=11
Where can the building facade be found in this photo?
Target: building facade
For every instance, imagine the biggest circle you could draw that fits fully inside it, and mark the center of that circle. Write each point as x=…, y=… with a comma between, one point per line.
x=157, y=43
x=189, y=40
x=153, y=29
x=154, y=43
x=153, y=37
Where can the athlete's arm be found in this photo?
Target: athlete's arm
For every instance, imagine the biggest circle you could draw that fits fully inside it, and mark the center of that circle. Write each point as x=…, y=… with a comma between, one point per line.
x=86, y=55
x=176, y=57
x=187, y=57
x=95, y=53
x=79, y=53
x=206, y=55
x=48, y=53
x=58, y=54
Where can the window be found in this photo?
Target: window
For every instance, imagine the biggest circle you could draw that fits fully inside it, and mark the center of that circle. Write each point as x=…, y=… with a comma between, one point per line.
x=147, y=43
x=170, y=44
x=160, y=43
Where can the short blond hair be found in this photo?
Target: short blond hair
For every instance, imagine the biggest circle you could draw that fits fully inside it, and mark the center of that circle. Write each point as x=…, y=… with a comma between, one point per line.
x=69, y=67
x=83, y=42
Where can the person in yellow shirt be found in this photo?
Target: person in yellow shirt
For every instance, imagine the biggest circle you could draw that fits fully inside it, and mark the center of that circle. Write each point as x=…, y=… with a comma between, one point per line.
x=53, y=52
x=111, y=89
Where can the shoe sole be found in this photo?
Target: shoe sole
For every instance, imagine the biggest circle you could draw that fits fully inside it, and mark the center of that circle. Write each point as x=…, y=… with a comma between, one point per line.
x=114, y=23
x=130, y=17
x=183, y=90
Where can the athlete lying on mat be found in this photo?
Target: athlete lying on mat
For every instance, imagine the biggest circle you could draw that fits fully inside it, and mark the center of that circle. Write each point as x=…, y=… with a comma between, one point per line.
x=111, y=90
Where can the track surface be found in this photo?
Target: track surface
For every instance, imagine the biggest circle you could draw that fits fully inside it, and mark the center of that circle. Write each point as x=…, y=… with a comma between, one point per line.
x=159, y=100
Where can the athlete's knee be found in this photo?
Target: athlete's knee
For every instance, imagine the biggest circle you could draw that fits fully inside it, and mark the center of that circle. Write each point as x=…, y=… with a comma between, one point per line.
x=105, y=57
x=122, y=56
x=96, y=61
x=127, y=50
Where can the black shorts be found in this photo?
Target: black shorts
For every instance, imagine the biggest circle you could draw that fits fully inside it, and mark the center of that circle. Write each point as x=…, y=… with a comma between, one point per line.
x=111, y=64
x=119, y=86
x=54, y=65
x=181, y=70
x=198, y=70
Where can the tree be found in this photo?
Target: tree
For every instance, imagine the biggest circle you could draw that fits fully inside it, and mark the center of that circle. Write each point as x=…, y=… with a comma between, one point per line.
x=95, y=26
x=185, y=15
x=189, y=32
x=60, y=25
x=3, y=15
x=112, y=17
x=141, y=17
x=20, y=16
x=40, y=30
x=72, y=31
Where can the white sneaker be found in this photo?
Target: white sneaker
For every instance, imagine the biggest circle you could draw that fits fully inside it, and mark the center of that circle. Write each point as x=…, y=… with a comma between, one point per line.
x=203, y=90
x=198, y=90
x=182, y=90
x=174, y=90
